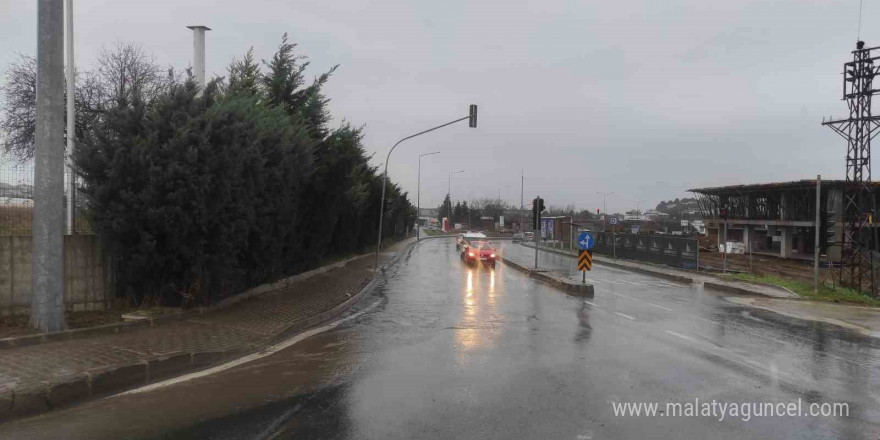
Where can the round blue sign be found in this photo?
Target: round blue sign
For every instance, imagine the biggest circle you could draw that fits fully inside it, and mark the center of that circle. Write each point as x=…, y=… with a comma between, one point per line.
x=585, y=240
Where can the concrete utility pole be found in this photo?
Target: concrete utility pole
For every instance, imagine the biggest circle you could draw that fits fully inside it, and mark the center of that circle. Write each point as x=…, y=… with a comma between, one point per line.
x=817, y=238
x=199, y=53
x=71, y=120
x=47, y=300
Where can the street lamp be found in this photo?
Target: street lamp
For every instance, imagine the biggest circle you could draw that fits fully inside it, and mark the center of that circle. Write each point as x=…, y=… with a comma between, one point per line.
x=472, y=122
x=470, y=207
x=449, y=185
x=604, y=209
x=419, y=196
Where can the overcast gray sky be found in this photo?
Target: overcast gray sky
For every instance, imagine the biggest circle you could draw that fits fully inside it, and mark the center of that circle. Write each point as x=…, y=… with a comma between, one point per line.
x=643, y=98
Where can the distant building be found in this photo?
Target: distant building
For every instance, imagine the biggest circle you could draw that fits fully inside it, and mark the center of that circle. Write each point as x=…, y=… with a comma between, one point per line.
x=778, y=217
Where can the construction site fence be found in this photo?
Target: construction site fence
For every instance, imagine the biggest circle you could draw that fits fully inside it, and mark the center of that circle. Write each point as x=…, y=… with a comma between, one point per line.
x=17, y=199
x=660, y=249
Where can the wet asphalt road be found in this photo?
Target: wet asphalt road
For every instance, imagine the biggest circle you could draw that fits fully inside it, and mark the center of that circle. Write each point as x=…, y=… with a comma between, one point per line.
x=442, y=351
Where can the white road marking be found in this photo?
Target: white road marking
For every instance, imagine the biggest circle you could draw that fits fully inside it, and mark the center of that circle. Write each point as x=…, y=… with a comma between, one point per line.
x=661, y=307
x=679, y=335
x=625, y=316
x=633, y=283
x=592, y=304
x=621, y=295
x=251, y=357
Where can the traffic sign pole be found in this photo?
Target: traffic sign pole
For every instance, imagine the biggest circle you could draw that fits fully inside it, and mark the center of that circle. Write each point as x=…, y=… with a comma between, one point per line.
x=585, y=242
x=614, y=236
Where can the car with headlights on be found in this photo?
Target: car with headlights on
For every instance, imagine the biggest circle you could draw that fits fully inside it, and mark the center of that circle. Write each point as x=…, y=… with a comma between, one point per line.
x=479, y=251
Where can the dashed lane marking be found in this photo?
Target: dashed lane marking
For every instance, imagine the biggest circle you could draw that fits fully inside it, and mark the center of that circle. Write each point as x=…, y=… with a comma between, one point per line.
x=661, y=307
x=625, y=316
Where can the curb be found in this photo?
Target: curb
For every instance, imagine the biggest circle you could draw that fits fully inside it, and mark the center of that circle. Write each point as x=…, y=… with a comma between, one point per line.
x=742, y=290
x=118, y=327
x=668, y=276
x=38, y=397
x=655, y=273
x=572, y=288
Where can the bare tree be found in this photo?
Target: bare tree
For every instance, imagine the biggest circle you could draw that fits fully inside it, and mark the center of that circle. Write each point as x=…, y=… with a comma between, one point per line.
x=127, y=72
x=18, y=108
x=120, y=75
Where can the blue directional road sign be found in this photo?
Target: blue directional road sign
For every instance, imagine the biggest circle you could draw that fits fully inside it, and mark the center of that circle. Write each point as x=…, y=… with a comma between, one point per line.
x=585, y=240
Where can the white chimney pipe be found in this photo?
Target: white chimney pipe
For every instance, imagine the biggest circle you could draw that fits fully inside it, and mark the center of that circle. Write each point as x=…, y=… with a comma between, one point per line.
x=199, y=53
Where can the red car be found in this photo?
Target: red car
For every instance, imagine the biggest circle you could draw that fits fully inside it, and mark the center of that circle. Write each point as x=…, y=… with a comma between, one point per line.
x=479, y=251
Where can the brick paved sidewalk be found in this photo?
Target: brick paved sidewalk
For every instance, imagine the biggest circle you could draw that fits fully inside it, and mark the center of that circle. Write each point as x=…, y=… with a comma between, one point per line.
x=39, y=377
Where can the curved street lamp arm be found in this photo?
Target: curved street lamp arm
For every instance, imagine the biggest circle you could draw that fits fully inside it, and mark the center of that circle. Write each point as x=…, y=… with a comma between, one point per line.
x=385, y=178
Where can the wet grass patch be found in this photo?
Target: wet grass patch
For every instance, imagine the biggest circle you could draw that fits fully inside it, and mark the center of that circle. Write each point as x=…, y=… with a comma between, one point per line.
x=826, y=293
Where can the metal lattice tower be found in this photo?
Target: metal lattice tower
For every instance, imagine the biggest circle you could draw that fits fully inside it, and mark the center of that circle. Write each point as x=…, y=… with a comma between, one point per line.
x=858, y=130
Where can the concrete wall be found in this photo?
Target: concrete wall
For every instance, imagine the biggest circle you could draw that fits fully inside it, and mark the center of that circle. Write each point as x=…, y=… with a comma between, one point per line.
x=85, y=278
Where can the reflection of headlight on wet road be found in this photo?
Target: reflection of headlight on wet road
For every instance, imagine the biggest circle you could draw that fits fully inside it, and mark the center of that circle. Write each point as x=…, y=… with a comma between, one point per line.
x=492, y=282
x=470, y=282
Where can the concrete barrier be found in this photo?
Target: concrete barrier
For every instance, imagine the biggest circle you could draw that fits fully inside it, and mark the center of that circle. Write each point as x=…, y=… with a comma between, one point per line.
x=562, y=283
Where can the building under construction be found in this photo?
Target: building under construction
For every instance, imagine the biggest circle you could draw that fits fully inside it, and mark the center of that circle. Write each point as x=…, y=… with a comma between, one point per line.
x=778, y=218
x=784, y=217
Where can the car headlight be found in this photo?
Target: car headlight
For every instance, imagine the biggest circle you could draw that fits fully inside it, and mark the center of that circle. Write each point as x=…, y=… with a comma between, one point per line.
x=492, y=256
x=470, y=254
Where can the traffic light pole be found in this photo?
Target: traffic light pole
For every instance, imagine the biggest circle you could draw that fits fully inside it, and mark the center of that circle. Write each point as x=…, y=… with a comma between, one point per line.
x=536, y=210
x=472, y=122
x=537, y=235
x=816, y=241
x=614, y=241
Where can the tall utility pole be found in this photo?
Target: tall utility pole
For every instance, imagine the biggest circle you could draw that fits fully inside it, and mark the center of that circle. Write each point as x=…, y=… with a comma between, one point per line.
x=522, y=187
x=419, y=196
x=199, y=54
x=47, y=301
x=817, y=237
x=858, y=129
x=71, y=121
x=604, y=209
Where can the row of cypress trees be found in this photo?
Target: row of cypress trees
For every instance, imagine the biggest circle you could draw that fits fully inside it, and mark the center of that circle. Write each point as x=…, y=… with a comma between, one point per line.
x=206, y=192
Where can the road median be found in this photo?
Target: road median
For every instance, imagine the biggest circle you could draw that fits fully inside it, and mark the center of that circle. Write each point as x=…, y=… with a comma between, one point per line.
x=555, y=280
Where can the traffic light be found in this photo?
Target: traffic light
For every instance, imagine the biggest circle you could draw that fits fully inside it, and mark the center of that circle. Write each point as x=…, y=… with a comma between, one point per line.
x=724, y=213
x=537, y=209
x=472, y=120
x=535, y=214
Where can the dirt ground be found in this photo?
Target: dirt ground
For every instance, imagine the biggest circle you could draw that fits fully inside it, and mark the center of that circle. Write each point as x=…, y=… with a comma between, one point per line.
x=762, y=265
